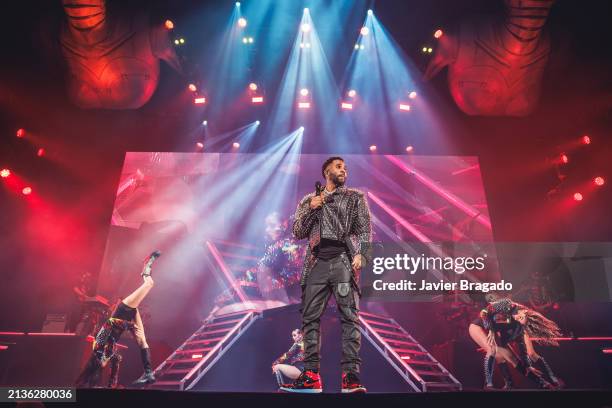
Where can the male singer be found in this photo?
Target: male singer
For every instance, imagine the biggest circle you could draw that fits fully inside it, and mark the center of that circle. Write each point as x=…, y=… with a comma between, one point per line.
x=336, y=221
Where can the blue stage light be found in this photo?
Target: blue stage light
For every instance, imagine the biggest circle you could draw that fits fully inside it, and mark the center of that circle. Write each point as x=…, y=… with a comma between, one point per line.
x=257, y=122
x=237, y=4
x=370, y=12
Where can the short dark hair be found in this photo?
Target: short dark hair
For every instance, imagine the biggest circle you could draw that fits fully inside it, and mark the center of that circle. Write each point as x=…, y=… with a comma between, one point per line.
x=328, y=162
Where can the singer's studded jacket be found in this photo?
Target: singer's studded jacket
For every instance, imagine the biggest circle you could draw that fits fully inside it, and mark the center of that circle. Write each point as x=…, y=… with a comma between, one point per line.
x=345, y=216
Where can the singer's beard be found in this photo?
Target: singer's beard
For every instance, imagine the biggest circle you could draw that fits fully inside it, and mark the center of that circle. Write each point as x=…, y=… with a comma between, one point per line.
x=336, y=180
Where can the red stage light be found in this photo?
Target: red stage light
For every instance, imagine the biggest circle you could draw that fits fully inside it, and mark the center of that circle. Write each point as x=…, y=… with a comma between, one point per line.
x=4, y=173
x=257, y=99
x=27, y=190
x=192, y=87
x=40, y=152
x=236, y=145
x=21, y=132
x=346, y=106
x=412, y=95
x=599, y=181
x=409, y=149
x=169, y=24
x=564, y=158
x=373, y=148
x=200, y=145
x=304, y=105
x=586, y=140
x=253, y=86
x=199, y=101
x=438, y=33
x=578, y=197
x=404, y=107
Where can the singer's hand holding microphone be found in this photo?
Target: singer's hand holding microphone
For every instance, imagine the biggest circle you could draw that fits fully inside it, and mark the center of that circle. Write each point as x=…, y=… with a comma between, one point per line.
x=318, y=200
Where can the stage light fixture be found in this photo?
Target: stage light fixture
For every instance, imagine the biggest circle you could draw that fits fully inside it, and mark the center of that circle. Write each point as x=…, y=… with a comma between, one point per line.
x=199, y=101
x=304, y=92
x=200, y=145
x=251, y=40
x=26, y=191
x=361, y=47
x=257, y=99
x=192, y=87
x=257, y=122
x=438, y=33
x=373, y=148
x=352, y=93
x=176, y=42
x=409, y=149
x=346, y=106
x=586, y=140
x=40, y=152
x=356, y=46
x=237, y=4
x=169, y=24
x=242, y=22
x=599, y=181
x=235, y=145
x=404, y=107
x=564, y=158
x=370, y=12
x=412, y=95
x=306, y=10
x=424, y=49
x=364, y=31
x=301, y=128
x=205, y=123
x=253, y=86
x=4, y=173
x=245, y=40
x=306, y=27
x=304, y=105
x=182, y=40
x=578, y=197
x=21, y=132
x=430, y=50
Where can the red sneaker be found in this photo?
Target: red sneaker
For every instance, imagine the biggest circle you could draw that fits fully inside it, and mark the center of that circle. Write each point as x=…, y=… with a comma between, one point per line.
x=309, y=382
x=350, y=383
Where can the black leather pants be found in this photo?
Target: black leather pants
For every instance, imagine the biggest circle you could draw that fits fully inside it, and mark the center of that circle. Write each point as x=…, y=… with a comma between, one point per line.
x=325, y=278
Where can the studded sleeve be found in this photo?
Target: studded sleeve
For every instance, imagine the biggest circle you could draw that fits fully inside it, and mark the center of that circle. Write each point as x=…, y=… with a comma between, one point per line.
x=305, y=218
x=361, y=227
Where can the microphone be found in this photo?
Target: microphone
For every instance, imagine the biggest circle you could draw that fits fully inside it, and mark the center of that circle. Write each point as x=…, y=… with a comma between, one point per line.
x=318, y=188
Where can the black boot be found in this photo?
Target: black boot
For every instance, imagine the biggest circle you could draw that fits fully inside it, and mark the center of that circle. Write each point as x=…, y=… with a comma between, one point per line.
x=537, y=378
x=557, y=382
x=489, y=365
x=113, y=379
x=147, y=377
x=505, y=371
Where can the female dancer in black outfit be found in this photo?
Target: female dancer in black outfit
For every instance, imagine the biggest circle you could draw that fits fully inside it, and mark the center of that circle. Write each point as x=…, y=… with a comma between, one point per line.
x=125, y=317
x=504, y=323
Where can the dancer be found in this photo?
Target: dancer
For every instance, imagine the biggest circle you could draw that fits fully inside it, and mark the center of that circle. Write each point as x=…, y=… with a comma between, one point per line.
x=336, y=222
x=290, y=364
x=125, y=317
x=504, y=323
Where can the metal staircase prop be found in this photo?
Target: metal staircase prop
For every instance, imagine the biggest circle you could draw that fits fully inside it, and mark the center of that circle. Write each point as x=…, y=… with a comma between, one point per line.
x=199, y=353
x=409, y=358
